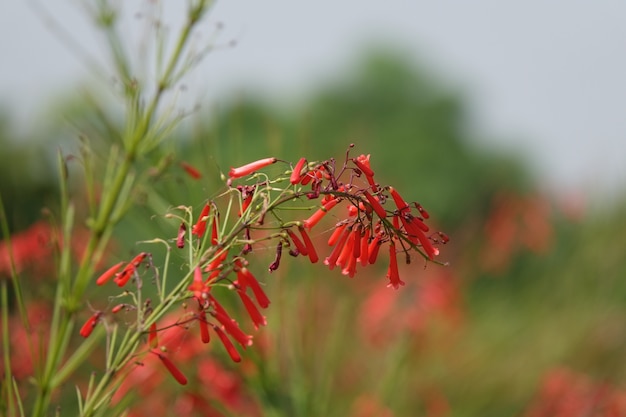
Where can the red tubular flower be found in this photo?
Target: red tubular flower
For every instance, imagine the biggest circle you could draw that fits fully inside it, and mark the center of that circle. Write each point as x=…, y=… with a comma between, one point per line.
x=363, y=163
x=200, y=226
x=356, y=249
x=230, y=348
x=246, y=279
x=215, y=266
x=373, y=249
x=392, y=273
x=421, y=210
x=204, y=326
x=122, y=278
x=244, y=170
x=108, y=274
x=253, y=312
x=197, y=286
x=190, y=170
x=319, y=214
x=331, y=260
x=298, y=243
x=336, y=234
x=245, y=204
x=306, y=178
x=364, y=247
x=118, y=308
x=232, y=328
x=180, y=239
x=378, y=208
x=214, y=232
x=350, y=267
x=346, y=252
x=176, y=373
x=309, y=245
x=90, y=324
x=153, y=341
x=400, y=203
x=417, y=235
x=295, y=174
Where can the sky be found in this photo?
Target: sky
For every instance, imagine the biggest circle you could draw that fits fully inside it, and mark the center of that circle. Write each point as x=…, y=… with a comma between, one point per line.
x=542, y=78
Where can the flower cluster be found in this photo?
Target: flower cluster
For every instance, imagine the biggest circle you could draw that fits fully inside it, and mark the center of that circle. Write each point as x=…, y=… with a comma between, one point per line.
x=221, y=240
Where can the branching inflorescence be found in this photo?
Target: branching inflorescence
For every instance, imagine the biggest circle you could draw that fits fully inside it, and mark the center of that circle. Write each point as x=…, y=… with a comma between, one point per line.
x=250, y=213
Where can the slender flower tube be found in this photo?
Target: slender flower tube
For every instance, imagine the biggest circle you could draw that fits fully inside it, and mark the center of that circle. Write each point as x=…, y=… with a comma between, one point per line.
x=363, y=164
x=400, y=203
x=310, y=249
x=422, y=211
x=118, y=308
x=373, y=249
x=108, y=274
x=356, y=249
x=191, y=170
x=244, y=170
x=346, y=252
x=392, y=273
x=174, y=371
x=320, y=213
x=197, y=286
x=232, y=328
x=364, y=247
x=336, y=234
x=200, y=226
x=123, y=277
x=298, y=243
x=350, y=267
x=90, y=324
x=378, y=208
x=204, y=326
x=295, y=174
x=247, y=279
x=253, y=312
x=331, y=260
x=230, y=348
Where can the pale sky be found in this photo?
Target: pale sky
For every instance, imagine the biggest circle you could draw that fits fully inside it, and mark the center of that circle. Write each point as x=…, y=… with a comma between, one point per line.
x=545, y=78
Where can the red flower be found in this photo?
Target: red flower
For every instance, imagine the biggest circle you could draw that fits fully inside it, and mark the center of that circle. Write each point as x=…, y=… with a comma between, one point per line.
x=250, y=168
x=108, y=274
x=392, y=272
x=378, y=208
x=192, y=171
x=204, y=326
x=310, y=249
x=200, y=226
x=230, y=348
x=246, y=279
x=320, y=213
x=295, y=174
x=298, y=243
x=176, y=373
x=253, y=312
x=90, y=324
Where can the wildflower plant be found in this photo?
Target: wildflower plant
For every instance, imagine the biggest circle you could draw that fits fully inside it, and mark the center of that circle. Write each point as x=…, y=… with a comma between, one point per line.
x=220, y=292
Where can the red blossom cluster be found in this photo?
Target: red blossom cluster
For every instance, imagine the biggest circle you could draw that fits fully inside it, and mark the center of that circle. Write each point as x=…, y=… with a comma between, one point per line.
x=222, y=256
x=565, y=393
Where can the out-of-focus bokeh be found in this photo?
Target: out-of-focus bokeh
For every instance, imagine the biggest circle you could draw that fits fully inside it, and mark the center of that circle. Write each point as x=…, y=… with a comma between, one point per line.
x=504, y=121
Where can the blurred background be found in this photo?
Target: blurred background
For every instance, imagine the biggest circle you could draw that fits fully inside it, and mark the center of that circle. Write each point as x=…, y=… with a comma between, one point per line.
x=503, y=120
